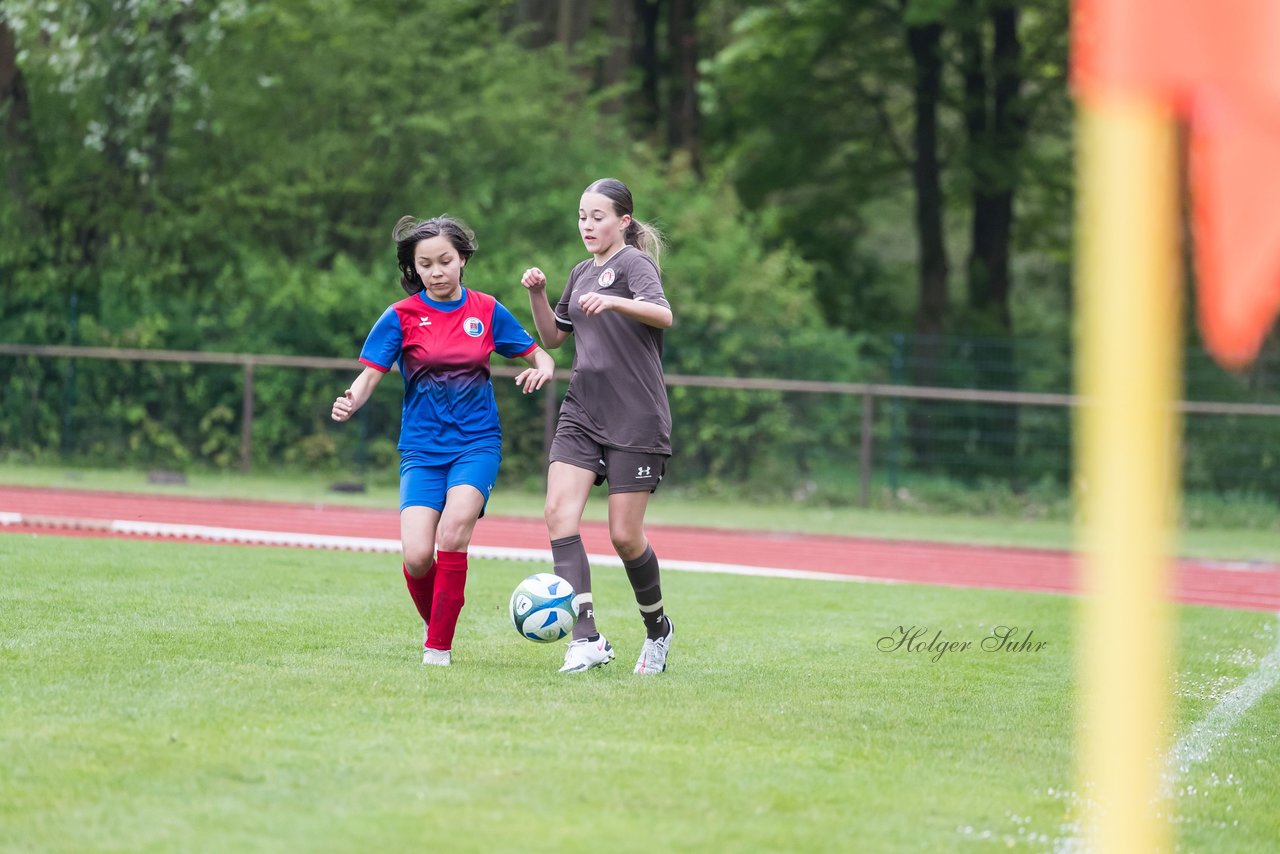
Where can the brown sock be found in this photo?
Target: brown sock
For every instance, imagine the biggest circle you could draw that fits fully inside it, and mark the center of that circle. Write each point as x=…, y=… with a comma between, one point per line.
x=571, y=564
x=643, y=575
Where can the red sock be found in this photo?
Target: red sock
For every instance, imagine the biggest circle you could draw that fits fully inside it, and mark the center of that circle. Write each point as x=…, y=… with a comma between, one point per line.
x=448, y=600
x=421, y=591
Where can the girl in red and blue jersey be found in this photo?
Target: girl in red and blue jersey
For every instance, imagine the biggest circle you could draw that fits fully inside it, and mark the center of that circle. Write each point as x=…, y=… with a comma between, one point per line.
x=440, y=337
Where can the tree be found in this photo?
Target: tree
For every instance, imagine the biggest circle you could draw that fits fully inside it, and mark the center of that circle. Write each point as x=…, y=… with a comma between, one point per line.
x=100, y=151
x=841, y=120
x=809, y=108
x=824, y=110
x=924, y=40
x=684, y=117
x=645, y=54
x=15, y=113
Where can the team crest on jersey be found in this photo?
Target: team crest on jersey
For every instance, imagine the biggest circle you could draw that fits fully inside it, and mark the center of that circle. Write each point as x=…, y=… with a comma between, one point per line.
x=473, y=326
x=606, y=278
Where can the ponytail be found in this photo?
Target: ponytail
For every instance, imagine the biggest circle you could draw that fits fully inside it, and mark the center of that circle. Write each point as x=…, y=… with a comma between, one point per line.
x=648, y=239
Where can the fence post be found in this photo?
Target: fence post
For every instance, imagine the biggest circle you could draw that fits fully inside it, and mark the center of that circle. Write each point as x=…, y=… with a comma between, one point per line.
x=246, y=419
x=896, y=366
x=67, y=440
x=864, y=455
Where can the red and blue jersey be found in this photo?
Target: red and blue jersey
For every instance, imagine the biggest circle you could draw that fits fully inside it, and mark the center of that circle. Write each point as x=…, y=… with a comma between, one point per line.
x=442, y=350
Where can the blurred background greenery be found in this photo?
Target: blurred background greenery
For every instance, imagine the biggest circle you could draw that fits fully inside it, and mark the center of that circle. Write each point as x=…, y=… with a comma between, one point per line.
x=868, y=192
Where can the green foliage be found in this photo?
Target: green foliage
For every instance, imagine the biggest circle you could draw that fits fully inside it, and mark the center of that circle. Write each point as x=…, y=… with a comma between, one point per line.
x=745, y=310
x=838, y=182
x=917, y=13
x=836, y=77
x=224, y=176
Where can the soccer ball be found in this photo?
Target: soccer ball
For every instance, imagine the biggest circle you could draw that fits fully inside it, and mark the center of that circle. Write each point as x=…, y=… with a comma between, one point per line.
x=542, y=608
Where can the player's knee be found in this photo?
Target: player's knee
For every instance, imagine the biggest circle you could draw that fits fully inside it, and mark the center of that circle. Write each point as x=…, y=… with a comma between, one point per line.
x=453, y=537
x=627, y=542
x=418, y=559
x=559, y=517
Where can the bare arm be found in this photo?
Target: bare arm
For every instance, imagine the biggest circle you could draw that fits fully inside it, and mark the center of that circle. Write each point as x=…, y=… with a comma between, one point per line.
x=541, y=369
x=648, y=313
x=544, y=318
x=356, y=396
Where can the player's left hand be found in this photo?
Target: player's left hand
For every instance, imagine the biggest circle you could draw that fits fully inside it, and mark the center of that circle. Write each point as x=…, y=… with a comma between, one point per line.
x=343, y=407
x=596, y=303
x=532, y=379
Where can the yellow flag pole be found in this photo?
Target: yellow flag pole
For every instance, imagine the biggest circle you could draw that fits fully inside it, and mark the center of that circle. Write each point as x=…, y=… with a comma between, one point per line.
x=1128, y=369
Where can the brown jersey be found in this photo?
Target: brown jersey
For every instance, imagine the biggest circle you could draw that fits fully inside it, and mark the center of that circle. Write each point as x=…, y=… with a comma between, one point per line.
x=616, y=391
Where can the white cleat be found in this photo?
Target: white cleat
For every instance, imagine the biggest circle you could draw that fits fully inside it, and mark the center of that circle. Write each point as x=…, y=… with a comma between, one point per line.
x=438, y=657
x=653, y=657
x=582, y=655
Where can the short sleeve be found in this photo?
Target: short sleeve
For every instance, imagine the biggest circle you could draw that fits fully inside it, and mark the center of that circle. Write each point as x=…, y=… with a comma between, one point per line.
x=644, y=281
x=510, y=339
x=382, y=347
x=563, y=323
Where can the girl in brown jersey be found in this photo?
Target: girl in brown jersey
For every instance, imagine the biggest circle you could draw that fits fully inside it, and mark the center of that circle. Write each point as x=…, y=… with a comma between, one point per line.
x=615, y=422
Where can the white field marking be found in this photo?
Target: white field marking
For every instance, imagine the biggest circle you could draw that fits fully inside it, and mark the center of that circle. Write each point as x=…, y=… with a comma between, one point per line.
x=372, y=544
x=764, y=571
x=1195, y=747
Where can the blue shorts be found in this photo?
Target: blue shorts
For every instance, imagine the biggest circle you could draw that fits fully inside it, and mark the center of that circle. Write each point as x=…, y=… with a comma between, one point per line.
x=425, y=480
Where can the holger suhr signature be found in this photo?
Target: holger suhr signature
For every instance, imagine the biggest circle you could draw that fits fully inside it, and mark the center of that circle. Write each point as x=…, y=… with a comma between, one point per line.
x=917, y=639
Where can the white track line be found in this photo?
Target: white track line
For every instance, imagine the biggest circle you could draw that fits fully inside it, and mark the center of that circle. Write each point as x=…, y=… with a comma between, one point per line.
x=248, y=536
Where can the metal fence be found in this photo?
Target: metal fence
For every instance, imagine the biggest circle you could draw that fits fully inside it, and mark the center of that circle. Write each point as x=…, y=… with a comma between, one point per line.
x=885, y=429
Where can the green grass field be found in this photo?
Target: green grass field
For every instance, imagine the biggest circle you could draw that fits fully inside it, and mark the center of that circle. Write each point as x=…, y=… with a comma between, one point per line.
x=178, y=697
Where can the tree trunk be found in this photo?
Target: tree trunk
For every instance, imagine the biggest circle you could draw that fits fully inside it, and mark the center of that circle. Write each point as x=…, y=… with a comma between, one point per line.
x=684, y=119
x=160, y=122
x=927, y=179
x=542, y=17
x=15, y=106
x=648, y=109
x=924, y=42
x=996, y=126
x=997, y=144
x=621, y=28
x=573, y=18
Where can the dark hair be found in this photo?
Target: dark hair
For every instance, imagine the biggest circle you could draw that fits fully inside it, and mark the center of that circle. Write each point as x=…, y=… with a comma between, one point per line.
x=409, y=232
x=639, y=234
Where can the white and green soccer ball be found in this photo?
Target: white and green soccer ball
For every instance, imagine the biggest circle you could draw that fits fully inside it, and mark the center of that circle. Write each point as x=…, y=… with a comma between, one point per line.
x=542, y=608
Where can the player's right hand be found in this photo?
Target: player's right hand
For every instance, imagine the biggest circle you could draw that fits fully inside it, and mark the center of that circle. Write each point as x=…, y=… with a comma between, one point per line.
x=534, y=280
x=343, y=406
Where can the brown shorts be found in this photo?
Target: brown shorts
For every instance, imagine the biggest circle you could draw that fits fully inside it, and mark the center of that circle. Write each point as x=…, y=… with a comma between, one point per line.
x=626, y=471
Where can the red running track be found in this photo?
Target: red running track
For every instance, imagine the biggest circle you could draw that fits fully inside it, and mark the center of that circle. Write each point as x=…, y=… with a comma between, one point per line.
x=1253, y=586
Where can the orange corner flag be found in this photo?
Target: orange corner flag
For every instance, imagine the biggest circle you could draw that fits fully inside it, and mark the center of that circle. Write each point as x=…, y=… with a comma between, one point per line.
x=1213, y=62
